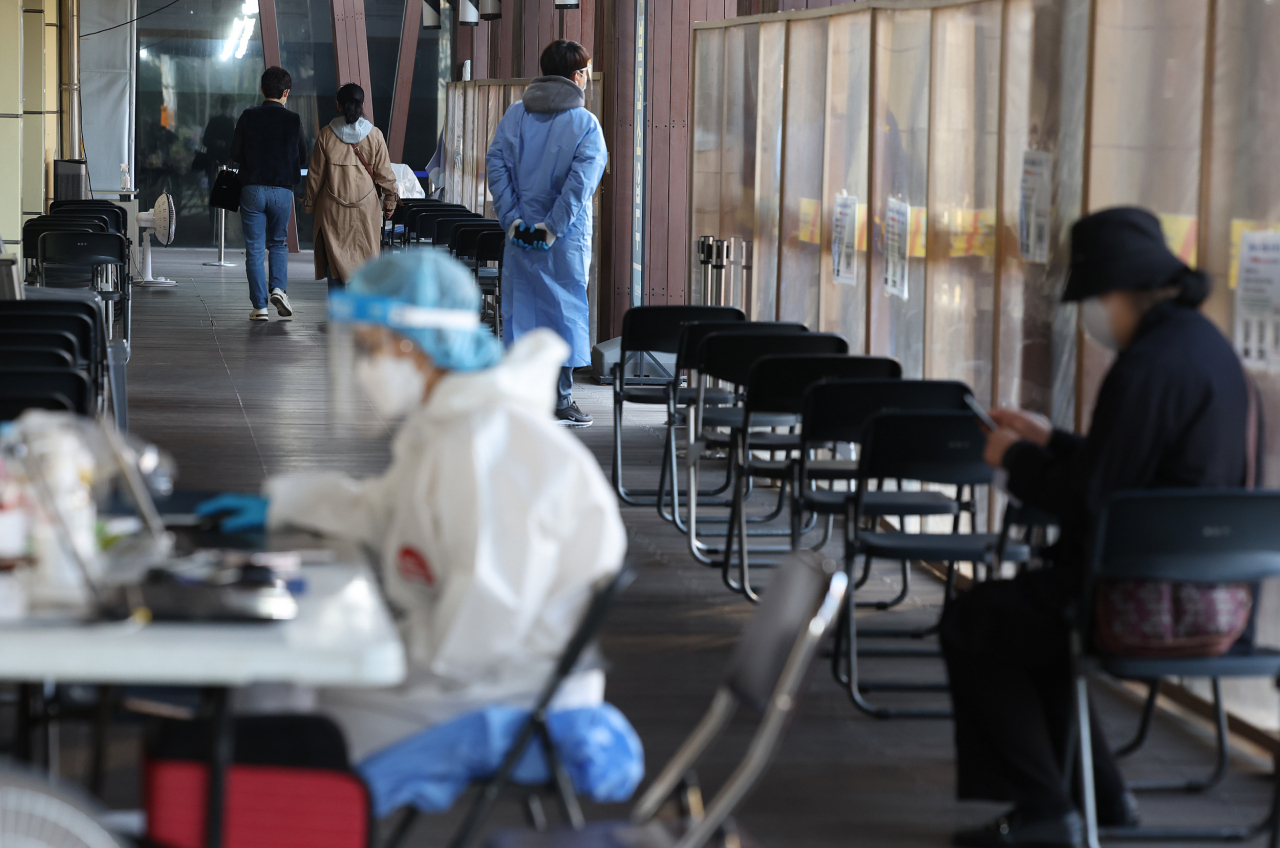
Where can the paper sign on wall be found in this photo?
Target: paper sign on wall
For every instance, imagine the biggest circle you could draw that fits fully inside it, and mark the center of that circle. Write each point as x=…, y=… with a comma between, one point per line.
x=1036, y=206
x=897, y=231
x=844, y=239
x=1257, y=329
x=810, y=220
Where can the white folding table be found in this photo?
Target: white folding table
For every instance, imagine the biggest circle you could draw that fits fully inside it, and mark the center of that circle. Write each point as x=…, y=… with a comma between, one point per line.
x=343, y=636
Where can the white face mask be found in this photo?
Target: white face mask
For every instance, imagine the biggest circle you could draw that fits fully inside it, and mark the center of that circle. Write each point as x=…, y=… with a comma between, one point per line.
x=395, y=385
x=1096, y=321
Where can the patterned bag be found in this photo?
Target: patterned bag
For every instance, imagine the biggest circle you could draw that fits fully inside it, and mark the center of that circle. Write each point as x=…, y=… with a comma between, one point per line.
x=1154, y=618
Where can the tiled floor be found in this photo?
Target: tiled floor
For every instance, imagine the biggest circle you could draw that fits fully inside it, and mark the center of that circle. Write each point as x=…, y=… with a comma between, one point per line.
x=236, y=401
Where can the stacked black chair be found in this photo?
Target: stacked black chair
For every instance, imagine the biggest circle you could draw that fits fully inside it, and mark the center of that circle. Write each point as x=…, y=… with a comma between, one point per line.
x=107, y=257
x=421, y=221
x=697, y=397
x=776, y=386
x=53, y=355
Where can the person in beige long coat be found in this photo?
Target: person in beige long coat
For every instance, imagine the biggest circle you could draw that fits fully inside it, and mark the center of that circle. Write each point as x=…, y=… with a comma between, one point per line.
x=341, y=191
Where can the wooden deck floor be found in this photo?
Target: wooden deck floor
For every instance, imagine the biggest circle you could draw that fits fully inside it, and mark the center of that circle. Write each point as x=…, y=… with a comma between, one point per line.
x=236, y=401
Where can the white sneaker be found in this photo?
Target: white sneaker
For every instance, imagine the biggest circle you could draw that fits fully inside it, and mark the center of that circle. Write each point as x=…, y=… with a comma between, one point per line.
x=280, y=301
x=258, y=314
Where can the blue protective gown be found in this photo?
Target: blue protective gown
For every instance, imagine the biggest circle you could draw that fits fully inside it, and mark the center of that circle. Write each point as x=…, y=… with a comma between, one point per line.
x=544, y=167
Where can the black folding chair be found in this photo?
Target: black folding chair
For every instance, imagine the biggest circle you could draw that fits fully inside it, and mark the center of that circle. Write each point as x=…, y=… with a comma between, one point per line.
x=36, y=227
x=21, y=318
x=491, y=247
x=118, y=216
x=424, y=220
x=1184, y=536
x=444, y=227
x=648, y=330
x=535, y=728
x=462, y=244
x=729, y=356
x=44, y=388
x=776, y=386
x=695, y=397
x=765, y=675
x=928, y=447
x=105, y=251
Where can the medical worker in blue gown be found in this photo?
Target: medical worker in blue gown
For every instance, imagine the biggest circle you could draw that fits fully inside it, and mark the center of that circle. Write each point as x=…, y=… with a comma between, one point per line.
x=545, y=162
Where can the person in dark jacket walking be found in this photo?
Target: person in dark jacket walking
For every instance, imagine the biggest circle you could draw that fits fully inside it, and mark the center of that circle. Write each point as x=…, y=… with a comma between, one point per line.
x=269, y=148
x=1171, y=412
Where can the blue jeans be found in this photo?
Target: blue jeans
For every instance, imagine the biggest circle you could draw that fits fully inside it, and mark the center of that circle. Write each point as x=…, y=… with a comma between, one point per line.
x=264, y=215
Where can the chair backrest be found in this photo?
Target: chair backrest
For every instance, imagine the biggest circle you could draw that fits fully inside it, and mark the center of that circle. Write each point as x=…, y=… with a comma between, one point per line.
x=36, y=227
x=933, y=447
x=100, y=215
x=117, y=218
x=837, y=410
x=34, y=357
x=692, y=335
x=60, y=340
x=657, y=329
x=1190, y=536
x=466, y=237
x=44, y=388
x=424, y=220
x=83, y=249
x=730, y=356
x=490, y=246
x=81, y=328
x=795, y=595
x=778, y=383
x=444, y=227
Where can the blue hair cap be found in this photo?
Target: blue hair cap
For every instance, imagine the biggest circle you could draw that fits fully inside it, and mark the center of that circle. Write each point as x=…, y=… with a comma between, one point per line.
x=425, y=296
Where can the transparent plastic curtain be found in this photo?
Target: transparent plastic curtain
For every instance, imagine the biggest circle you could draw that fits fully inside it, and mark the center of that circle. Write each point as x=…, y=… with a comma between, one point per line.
x=844, y=276
x=802, y=229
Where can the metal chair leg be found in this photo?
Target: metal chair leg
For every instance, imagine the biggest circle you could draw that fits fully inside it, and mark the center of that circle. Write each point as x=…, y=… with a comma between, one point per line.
x=1223, y=755
x=1144, y=723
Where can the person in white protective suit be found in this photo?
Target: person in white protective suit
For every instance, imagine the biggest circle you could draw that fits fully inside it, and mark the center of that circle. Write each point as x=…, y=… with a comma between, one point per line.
x=492, y=522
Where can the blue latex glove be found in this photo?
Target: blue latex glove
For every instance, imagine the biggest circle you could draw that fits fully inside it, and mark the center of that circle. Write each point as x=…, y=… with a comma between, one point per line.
x=242, y=512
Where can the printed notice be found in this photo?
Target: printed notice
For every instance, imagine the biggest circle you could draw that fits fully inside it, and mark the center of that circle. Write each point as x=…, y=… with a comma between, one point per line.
x=844, y=239
x=897, y=231
x=1257, y=327
x=1035, y=209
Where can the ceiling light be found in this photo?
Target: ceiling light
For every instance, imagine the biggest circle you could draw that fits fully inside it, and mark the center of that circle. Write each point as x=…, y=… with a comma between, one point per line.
x=490, y=10
x=233, y=40
x=245, y=35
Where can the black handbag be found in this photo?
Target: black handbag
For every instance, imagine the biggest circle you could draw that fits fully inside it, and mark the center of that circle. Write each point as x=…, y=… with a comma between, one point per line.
x=225, y=193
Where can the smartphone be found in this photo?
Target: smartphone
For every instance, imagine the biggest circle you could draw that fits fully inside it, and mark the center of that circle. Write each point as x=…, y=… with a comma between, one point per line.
x=982, y=414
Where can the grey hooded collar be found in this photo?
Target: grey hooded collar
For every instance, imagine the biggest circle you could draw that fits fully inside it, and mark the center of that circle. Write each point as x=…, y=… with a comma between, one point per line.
x=553, y=94
x=350, y=133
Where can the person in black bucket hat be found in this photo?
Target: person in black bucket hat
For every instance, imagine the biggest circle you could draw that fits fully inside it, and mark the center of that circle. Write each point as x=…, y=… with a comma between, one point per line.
x=1171, y=412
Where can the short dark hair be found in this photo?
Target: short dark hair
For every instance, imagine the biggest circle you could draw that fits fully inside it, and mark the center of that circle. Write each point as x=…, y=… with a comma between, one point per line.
x=275, y=82
x=563, y=58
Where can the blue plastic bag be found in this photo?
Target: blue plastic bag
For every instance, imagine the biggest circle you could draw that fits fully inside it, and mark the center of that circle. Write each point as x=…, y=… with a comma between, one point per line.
x=598, y=746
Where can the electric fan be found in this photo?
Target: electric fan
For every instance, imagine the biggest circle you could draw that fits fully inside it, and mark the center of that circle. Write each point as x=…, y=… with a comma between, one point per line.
x=162, y=220
x=34, y=813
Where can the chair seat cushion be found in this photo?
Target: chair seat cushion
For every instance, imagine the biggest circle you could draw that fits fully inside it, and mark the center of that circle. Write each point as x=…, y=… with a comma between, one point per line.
x=877, y=504
x=1263, y=662
x=658, y=395
x=731, y=416
x=940, y=547
x=487, y=273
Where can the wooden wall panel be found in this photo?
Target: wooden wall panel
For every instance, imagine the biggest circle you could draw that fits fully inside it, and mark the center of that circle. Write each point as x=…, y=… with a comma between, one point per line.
x=678, y=242
x=588, y=27
x=659, y=154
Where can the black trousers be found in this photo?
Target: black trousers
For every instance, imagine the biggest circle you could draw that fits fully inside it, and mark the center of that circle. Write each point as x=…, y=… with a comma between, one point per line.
x=1006, y=645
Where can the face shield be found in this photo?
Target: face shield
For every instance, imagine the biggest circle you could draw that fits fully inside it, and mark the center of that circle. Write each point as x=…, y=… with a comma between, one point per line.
x=383, y=354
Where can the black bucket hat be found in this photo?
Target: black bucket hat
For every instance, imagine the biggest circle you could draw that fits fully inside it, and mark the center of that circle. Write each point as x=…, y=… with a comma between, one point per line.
x=1120, y=249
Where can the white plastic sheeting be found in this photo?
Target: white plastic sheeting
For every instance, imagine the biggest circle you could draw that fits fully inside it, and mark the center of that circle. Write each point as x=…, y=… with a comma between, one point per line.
x=107, y=74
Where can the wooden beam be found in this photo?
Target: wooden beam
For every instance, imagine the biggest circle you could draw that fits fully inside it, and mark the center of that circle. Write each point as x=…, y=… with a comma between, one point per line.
x=271, y=57
x=351, y=47
x=411, y=27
